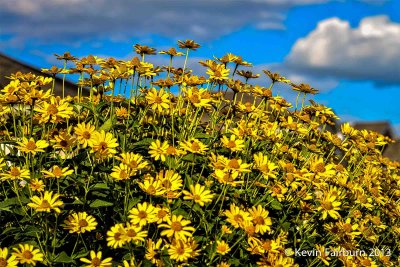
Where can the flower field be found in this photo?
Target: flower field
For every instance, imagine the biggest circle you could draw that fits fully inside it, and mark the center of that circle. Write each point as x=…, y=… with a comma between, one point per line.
x=134, y=175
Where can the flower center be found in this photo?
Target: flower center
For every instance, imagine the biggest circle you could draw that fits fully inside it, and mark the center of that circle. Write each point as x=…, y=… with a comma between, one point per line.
x=161, y=214
x=131, y=233
x=14, y=172
x=123, y=174
x=195, y=146
x=320, y=167
x=234, y=164
x=231, y=144
x=31, y=145
x=57, y=171
x=258, y=220
x=27, y=255
x=52, y=109
x=326, y=205
x=238, y=218
x=103, y=145
x=142, y=214
x=86, y=135
x=45, y=204
x=196, y=197
x=158, y=100
x=3, y=262
x=176, y=226
x=83, y=223
x=96, y=261
x=117, y=236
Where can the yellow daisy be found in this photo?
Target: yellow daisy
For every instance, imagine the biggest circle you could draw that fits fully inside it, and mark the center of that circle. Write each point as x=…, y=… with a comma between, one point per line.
x=237, y=217
x=134, y=233
x=85, y=133
x=260, y=219
x=222, y=247
x=104, y=144
x=232, y=143
x=179, y=250
x=115, y=236
x=158, y=101
x=145, y=213
x=95, y=260
x=7, y=262
x=46, y=202
x=177, y=227
x=80, y=223
x=158, y=151
x=57, y=172
x=194, y=146
x=32, y=146
x=36, y=185
x=198, y=194
x=16, y=173
x=27, y=254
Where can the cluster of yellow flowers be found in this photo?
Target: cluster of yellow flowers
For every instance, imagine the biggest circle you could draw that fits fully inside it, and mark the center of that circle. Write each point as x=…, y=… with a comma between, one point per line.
x=221, y=173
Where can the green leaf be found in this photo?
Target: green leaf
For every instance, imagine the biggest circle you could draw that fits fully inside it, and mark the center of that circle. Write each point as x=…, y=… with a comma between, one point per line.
x=202, y=136
x=100, y=186
x=63, y=258
x=98, y=203
x=108, y=124
x=6, y=204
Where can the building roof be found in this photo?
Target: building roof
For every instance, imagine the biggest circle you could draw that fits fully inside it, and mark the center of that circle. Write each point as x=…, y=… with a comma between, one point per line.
x=10, y=65
x=381, y=127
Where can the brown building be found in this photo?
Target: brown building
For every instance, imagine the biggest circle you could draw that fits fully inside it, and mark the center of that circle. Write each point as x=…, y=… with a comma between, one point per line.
x=9, y=65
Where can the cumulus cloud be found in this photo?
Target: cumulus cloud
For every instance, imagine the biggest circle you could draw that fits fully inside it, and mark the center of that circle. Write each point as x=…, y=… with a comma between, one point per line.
x=370, y=51
x=69, y=20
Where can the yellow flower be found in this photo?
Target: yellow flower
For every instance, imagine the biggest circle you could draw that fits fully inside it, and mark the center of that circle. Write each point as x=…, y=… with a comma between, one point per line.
x=57, y=172
x=227, y=177
x=222, y=248
x=27, y=254
x=237, y=217
x=170, y=180
x=85, y=134
x=198, y=194
x=16, y=173
x=30, y=146
x=179, y=250
x=152, y=251
x=265, y=166
x=218, y=72
x=36, y=185
x=145, y=213
x=115, y=236
x=95, y=260
x=55, y=111
x=122, y=172
x=194, y=146
x=177, y=227
x=232, y=143
x=223, y=264
x=158, y=150
x=162, y=214
x=134, y=161
x=46, y=202
x=10, y=262
x=237, y=165
x=104, y=144
x=151, y=186
x=320, y=169
x=80, y=223
x=134, y=233
x=260, y=219
x=158, y=101
x=329, y=206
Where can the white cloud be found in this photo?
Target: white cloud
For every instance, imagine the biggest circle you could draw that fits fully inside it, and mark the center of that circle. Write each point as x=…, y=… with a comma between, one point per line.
x=69, y=20
x=334, y=49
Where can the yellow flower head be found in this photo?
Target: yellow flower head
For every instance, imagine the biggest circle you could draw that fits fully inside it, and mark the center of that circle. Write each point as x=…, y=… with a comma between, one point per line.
x=7, y=261
x=46, y=202
x=80, y=223
x=30, y=146
x=95, y=260
x=177, y=227
x=27, y=254
x=198, y=194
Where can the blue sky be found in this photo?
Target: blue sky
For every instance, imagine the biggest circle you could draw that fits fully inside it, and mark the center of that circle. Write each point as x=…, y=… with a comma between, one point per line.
x=349, y=50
